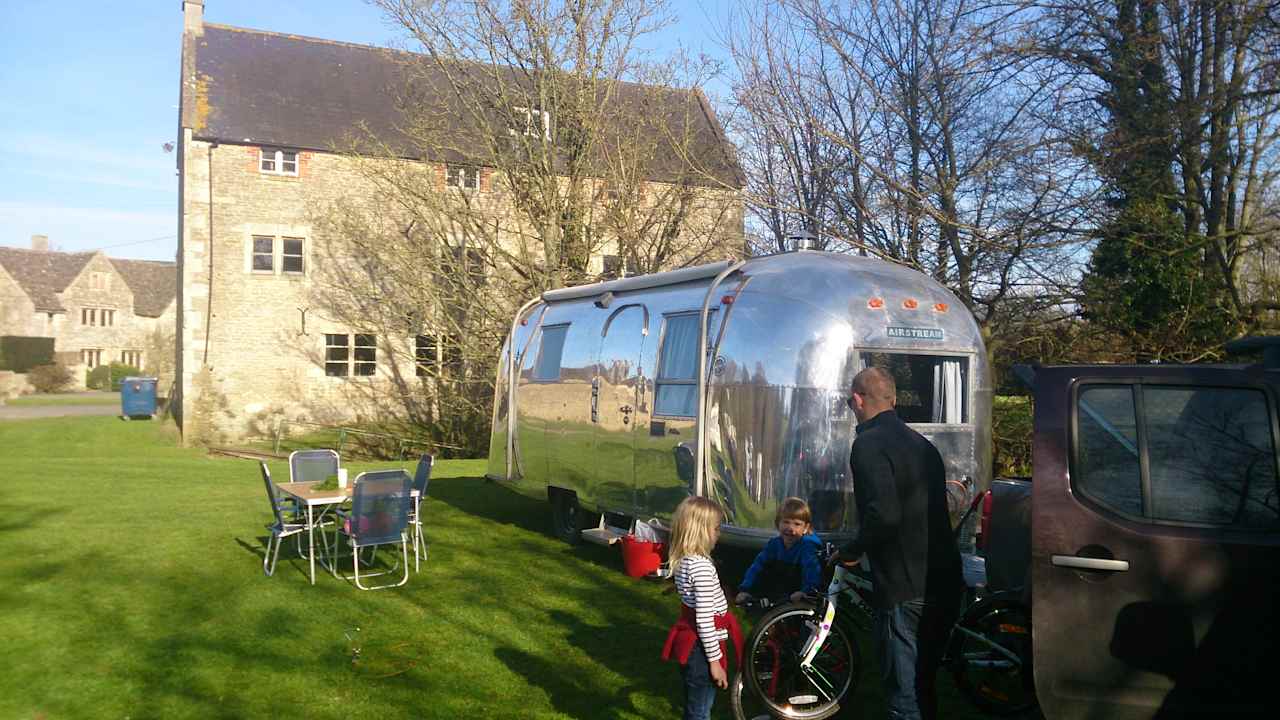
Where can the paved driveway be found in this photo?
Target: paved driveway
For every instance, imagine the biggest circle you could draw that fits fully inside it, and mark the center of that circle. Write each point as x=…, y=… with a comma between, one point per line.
x=8, y=412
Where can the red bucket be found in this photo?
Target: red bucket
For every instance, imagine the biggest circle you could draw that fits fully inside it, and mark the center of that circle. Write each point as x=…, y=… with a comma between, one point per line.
x=640, y=557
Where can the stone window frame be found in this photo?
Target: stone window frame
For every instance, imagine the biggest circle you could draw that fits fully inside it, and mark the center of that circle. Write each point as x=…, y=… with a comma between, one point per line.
x=273, y=161
x=281, y=256
x=99, y=280
x=530, y=124
x=91, y=357
x=131, y=357
x=97, y=317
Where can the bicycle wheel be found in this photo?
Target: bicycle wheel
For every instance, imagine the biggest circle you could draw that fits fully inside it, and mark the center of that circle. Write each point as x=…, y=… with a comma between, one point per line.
x=745, y=704
x=990, y=656
x=773, y=672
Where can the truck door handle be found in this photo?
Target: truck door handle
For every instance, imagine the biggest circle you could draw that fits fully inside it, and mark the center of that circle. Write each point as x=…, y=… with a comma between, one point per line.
x=1087, y=563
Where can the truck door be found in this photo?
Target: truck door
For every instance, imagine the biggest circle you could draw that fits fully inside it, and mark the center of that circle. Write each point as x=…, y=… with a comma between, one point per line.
x=614, y=402
x=1155, y=558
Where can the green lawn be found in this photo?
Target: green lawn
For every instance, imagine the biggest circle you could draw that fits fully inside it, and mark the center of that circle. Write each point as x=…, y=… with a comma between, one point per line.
x=132, y=587
x=66, y=399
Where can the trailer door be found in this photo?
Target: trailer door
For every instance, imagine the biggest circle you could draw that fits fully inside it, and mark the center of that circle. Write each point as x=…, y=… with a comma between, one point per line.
x=614, y=402
x=1155, y=546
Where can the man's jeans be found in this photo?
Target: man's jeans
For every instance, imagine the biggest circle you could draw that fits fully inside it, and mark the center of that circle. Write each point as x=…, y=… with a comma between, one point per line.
x=910, y=638
x=699, y=690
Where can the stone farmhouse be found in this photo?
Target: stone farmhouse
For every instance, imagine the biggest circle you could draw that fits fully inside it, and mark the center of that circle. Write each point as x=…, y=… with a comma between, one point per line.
x=98, y=309
x=261, y=116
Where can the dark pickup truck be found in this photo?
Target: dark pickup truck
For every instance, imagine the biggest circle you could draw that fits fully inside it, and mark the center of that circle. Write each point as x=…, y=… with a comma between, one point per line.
x=1155, y=539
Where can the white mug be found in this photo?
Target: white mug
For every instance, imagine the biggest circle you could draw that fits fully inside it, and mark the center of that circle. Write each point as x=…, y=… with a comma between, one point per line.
x=342, y=478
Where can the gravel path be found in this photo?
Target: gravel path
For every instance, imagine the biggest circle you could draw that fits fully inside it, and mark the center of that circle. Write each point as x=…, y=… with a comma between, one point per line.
x=8, y=412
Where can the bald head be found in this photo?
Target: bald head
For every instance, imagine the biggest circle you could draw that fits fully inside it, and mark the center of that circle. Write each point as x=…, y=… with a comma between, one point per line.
x=873, y=391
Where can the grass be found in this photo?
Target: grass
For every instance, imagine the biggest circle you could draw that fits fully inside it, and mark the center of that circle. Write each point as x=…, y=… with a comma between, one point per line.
x=132, y=587
x=65, y=399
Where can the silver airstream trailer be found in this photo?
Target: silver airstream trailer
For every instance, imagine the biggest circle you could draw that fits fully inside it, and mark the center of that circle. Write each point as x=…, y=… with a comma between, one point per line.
x=729, y=380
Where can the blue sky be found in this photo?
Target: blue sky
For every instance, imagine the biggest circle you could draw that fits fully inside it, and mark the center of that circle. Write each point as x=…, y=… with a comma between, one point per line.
x=90, y=95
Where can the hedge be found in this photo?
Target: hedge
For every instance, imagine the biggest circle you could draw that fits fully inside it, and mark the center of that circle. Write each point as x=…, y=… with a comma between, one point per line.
x=20, y=354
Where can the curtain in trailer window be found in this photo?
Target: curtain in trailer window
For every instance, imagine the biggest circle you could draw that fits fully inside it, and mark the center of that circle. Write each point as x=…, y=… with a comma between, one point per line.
x=677, y=381
x=948, y=392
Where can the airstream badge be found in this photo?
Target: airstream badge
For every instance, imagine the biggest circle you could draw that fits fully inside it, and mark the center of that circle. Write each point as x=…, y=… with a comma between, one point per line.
x=914, y=333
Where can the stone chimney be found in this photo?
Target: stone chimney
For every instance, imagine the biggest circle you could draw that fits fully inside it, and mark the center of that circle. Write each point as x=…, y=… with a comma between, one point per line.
x=40, y=242
x=193, y=17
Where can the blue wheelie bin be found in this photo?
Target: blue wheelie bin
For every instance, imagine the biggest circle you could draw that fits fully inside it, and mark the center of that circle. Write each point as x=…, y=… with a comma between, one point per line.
x=138, y=398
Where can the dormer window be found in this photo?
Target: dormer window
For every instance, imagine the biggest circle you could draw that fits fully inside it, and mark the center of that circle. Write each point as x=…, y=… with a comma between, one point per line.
x=276, y=161
x=531, y=121
x=462, y=177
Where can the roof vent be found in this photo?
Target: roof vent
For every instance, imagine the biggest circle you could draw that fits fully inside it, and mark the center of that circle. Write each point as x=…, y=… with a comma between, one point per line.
x=802, y=240
x=1268, y=344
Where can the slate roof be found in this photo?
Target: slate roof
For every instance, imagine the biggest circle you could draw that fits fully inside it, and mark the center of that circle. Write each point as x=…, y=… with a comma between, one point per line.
x=264, y=88
x=43, y=274
x=154, y=284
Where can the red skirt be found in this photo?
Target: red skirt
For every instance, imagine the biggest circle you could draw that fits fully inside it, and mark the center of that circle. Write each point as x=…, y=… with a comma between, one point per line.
x=684, y=633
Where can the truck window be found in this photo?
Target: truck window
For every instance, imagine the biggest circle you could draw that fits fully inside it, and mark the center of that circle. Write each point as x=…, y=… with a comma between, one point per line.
x=931, y=388
x=676, y=386
x=1210, y=456
x=547, y=367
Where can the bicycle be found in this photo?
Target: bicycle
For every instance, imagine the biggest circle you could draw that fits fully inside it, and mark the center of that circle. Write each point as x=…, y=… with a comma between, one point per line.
x=801, y=664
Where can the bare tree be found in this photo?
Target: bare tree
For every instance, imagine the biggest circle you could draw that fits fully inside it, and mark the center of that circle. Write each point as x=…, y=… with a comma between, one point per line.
x=536, y=137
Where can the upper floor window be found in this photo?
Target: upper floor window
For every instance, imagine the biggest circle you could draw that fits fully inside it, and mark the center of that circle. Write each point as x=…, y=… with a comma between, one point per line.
x=1209, y=452
x=95, y=317
x=462, y=177
x=100, y=281
x=269, y=252
x=531, y=121
x=276, y=161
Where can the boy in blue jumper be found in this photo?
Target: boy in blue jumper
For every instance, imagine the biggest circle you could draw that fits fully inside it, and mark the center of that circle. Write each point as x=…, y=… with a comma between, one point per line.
x=788, y=565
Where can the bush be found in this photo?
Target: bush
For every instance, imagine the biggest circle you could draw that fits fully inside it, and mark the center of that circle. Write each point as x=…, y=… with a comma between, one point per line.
x=21, y=354
x=49, y=378
x=98, y=378
x=120, y=371
x=1011, y=426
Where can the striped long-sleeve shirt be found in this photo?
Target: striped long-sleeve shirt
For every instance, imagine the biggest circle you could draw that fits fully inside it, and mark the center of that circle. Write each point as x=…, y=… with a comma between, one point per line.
x=699, y=588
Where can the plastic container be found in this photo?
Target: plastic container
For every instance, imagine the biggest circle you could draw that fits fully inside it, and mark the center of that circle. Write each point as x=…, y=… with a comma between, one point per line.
x=641, y=557
x=138, y=397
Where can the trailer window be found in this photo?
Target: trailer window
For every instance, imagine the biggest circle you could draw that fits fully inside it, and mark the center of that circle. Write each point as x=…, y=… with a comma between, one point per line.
x=550, y=350
x=676, y=387
x=931, y=388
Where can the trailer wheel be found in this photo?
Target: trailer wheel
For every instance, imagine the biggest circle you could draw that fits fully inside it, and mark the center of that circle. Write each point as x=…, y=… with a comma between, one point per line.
x=567, y=517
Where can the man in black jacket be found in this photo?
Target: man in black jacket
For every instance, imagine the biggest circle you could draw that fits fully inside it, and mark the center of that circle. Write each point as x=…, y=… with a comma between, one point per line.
x=899, y=484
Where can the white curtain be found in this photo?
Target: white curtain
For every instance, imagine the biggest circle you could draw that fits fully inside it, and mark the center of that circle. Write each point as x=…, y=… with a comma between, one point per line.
x=948, y=392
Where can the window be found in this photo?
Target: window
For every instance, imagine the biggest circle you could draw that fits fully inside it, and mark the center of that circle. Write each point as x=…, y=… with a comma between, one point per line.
x=131, y=357
x=100, y=281
x=546, y=367
x=615, y=263
x=931, y=388
x=91, y=357
x=676, y=387
x=337, y=353
x=1210, y=456
x=531, y=121
x=291, y=255
x=264, y=254
x=366, y=355
x=461, y=176
x=424, y=355
x=94, y=317
x=275, y=161
x=469, y=264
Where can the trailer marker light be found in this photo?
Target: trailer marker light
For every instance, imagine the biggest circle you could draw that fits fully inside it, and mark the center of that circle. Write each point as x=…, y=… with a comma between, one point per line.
x=726, y=300
x=940, y=307
x=875, y=303
x=910, y=304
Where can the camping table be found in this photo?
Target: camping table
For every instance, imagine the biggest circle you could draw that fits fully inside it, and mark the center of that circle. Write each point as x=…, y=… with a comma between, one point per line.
x=305, y=493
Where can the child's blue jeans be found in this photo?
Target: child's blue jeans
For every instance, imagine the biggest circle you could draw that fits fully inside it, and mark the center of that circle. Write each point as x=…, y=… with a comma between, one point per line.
x=699, y=690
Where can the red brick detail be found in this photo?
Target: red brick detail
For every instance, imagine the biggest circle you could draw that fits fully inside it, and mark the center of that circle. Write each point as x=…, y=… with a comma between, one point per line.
x=440, y=176
x=486, y=177
x=254, y=155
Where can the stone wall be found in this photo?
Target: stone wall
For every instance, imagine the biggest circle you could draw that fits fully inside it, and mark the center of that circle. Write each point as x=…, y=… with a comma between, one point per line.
x=17, y=313
x=244, y=325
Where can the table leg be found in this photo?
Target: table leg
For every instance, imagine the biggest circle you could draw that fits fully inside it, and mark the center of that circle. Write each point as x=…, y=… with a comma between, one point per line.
x=311, y=543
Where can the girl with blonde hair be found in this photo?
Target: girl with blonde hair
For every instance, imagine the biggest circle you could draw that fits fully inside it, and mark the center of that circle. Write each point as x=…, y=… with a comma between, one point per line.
x=697, y=640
